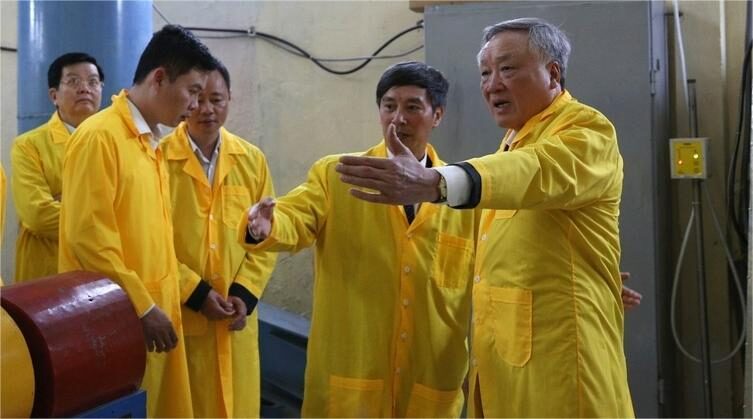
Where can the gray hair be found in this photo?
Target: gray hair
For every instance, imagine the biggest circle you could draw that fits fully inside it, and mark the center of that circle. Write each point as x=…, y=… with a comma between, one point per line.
x=544, y=39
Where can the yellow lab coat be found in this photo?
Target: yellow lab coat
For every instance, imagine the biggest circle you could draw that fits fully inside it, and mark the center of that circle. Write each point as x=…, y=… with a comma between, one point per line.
x=223, y=366
x=548, y=318
x=391, y=300
x=37, y=165
x=115, y=220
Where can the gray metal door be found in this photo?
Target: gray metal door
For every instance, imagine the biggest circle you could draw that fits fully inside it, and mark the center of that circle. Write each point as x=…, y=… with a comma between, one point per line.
x=618, y=65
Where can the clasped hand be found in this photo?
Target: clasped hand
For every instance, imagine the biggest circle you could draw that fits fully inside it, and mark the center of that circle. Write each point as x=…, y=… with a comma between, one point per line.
x=215, y=307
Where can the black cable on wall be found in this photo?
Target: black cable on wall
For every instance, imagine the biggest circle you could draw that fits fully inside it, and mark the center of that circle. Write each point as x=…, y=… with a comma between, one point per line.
x=302, y=52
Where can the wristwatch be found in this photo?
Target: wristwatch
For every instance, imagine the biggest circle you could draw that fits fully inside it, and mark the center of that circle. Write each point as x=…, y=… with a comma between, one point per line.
x=442, y=190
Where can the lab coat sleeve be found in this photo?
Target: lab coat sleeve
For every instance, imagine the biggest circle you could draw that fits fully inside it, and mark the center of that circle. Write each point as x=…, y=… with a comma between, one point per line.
x=257, y=266
x=190, y=284
x=90, y=184
x=299, y=215
x=37, y=209
x=568, y=170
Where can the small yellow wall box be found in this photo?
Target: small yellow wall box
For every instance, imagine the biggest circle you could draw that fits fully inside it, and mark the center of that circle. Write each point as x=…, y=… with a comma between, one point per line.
x=688, y=158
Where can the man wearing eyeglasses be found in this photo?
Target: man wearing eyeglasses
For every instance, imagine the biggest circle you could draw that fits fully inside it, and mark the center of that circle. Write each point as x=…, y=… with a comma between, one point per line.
x=75, y=88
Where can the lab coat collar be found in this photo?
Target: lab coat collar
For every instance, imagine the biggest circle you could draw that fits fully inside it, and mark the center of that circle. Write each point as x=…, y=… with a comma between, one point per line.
x=561, y=100
x=58, y=130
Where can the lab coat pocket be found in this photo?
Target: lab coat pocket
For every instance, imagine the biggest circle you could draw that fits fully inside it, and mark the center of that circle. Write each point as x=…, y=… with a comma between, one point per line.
x=235, y=201
x=354, y=397
x=426, y=402
x=511, y=310
x=504, y=214
x=453, y=261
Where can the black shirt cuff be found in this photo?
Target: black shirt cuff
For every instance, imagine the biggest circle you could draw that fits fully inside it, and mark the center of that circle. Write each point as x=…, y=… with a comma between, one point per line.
x=199, y=294
x=238, y=290
x=250, y=239
x=475, y=177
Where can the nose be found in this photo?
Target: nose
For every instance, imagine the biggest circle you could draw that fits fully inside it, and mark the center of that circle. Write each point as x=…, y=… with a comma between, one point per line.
x=398, y=118
x=193, y=105
x=204, y=107
x=493, y=83
x=83, y=87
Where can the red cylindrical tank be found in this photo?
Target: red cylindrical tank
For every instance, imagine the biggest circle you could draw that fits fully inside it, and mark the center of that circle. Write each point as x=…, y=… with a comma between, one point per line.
x=85, y=339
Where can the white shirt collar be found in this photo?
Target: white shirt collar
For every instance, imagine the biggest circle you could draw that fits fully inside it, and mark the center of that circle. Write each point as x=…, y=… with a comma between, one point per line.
x=200, y=154
x=422, y=161
x=142, y=127
x=69, y=127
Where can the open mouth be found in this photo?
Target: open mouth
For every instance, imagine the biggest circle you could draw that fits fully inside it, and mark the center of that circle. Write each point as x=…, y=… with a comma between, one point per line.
x=500, y=104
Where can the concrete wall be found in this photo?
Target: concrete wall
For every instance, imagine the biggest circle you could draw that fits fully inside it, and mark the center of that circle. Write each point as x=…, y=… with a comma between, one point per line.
x=8, y=96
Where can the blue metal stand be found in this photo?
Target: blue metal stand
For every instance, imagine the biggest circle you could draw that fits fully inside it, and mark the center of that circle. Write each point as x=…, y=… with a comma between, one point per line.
x=113, y=32
x=282, y=350
x=130, y=406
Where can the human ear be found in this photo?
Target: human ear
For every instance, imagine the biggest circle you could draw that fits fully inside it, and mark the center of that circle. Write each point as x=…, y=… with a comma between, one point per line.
x=438, y=114
x=53, y=95
x=555, y=74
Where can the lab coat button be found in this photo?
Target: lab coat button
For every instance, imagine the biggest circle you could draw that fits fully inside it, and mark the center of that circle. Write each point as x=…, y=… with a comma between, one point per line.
x=406, y=269
x=477, y=279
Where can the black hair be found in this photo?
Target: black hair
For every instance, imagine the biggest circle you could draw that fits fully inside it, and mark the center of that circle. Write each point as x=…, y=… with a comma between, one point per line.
x=413, y=73
x=225, y=75
x=177, y=50
x=55, y=72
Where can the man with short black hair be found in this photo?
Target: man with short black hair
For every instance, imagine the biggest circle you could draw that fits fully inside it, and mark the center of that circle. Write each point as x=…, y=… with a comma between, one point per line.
x=75, y=88
x=214, y=174
x=392, y=283
x=116, y=218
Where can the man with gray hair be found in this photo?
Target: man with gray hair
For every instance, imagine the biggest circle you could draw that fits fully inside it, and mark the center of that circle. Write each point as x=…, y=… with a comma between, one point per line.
x=548, y=318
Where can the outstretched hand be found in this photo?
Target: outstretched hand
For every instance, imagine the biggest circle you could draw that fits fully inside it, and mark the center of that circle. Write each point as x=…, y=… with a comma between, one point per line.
x=260, y=218
x=401, y=179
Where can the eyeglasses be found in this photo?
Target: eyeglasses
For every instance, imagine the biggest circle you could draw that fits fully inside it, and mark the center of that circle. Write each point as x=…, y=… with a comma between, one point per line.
x=76, y=82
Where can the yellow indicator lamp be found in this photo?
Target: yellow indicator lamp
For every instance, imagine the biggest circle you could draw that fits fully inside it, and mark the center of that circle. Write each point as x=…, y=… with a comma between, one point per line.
x=688, y=157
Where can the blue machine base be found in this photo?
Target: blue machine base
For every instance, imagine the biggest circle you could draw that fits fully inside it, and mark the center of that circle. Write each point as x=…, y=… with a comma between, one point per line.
x=130, y=406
